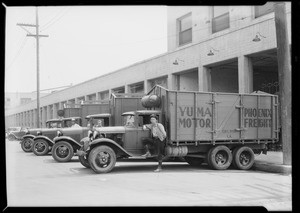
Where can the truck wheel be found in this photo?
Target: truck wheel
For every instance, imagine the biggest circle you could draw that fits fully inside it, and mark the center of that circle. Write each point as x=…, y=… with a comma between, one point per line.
x=243, y=158
x=40, y=147
x=26, y=144
x=196, y=162
x=84, y=161
x=102, y=159
x=62, y=151
x=207, y=157
x=220, y=157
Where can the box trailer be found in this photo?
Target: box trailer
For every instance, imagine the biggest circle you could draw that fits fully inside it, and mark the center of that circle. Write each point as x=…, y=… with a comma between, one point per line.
x=219, y=128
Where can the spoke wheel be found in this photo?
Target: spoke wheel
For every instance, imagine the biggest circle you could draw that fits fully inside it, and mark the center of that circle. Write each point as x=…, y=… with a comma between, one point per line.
x=102, y=159
x=220, y=157
x=243, y=158
x=26, y=144
x=62, y=151
x=40, y=147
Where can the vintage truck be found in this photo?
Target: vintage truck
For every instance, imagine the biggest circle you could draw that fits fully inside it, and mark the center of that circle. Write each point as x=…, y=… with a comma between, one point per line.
x=219, y=128
x=68, y=141
x=30, y=133
x=43, y=141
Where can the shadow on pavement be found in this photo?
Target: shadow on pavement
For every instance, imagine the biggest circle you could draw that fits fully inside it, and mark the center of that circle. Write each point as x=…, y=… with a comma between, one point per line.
x=74, y=160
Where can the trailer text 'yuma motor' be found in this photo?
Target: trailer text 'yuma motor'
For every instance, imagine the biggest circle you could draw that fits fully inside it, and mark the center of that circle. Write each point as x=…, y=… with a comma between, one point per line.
x=219, y=128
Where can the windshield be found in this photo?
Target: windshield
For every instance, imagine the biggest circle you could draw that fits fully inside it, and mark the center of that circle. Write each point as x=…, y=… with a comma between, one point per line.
x=54, y=124
x=128, y=120
x=99, y=122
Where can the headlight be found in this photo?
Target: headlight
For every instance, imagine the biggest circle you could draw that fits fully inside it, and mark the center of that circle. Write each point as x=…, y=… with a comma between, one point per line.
x=90, y=133
x=59, y=133
x=39, y=133
x=95, y=134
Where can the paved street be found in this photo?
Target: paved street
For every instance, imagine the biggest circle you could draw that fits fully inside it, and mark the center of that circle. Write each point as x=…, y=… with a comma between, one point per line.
x=40, y=181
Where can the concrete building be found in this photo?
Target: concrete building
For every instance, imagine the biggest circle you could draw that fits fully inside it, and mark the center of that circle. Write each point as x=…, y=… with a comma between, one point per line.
x=217, y=49
x=15, y=99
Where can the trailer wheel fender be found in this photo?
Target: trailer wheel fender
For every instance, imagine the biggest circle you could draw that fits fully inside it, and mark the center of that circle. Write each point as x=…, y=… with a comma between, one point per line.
x=108, y=142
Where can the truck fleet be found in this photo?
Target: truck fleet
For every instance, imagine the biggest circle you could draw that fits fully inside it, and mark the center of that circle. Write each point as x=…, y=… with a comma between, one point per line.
x=220, y=129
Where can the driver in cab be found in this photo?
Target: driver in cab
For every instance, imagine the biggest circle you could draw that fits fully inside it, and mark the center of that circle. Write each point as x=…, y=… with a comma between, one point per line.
x=74, y=124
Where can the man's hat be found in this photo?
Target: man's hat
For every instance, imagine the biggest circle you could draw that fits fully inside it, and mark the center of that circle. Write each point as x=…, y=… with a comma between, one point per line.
x=153, y=116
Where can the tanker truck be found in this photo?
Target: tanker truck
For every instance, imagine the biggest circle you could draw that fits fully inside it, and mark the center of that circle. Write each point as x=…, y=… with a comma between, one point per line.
x=217, y=128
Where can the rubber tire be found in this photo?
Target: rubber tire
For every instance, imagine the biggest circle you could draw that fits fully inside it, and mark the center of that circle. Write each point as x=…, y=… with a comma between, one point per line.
x=236, y=155
x=69, y=156
x=195, y=162
x=207, y=157
x=233, y=154
x=23, y=144
x=43, y=152
x=84, y=160
x=93, y=154
x=213, y=153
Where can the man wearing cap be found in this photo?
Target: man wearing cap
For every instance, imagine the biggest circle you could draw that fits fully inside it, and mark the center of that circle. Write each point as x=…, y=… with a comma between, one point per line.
x=158, y=134
x=74, y=124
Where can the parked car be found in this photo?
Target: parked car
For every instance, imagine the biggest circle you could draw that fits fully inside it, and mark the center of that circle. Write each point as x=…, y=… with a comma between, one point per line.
x=30, y=134
x=16, y=133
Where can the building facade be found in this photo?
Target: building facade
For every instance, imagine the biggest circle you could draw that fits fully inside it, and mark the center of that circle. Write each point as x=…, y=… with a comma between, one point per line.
x=215, y=49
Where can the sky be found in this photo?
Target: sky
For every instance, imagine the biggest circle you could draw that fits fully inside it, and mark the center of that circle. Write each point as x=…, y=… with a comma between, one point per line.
x=84, y=42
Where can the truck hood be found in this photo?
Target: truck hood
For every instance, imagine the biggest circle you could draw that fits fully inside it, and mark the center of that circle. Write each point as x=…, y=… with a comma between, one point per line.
x=111, y=129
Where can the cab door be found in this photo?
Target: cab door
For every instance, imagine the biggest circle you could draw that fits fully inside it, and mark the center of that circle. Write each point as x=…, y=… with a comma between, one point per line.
x=131, y=135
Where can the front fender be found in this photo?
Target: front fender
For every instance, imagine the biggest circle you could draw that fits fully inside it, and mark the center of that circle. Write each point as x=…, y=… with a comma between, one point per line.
x=50, y=142
x=67, y=138
x=28, y=136
x=108, y=141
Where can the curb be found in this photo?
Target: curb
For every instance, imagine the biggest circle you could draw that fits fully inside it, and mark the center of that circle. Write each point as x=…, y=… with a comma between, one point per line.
x=273, y=168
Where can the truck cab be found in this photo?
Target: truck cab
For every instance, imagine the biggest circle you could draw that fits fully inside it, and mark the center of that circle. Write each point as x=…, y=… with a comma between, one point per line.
x=43, y=141
x=68, y=140
x=120, y=142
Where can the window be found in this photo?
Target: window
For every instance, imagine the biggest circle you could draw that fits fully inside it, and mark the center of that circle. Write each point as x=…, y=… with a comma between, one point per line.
x=104, y=95
x=220, y=20
x=159, y=81
x=137, y=88
x=264, y=9
x=185, y=29
x=119, y=90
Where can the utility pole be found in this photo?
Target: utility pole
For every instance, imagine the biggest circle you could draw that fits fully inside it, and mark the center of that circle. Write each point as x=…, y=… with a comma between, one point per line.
x=37, y=36
x=284, y=72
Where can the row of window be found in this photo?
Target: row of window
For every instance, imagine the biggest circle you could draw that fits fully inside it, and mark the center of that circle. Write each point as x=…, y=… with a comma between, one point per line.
x=220, y=20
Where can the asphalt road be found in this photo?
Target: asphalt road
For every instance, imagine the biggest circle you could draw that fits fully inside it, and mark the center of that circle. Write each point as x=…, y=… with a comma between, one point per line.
x=41, y=181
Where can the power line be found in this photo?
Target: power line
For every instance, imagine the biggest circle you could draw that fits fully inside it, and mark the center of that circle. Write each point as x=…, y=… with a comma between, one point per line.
x=52, y=18
x=55, y=21
x=17, y=54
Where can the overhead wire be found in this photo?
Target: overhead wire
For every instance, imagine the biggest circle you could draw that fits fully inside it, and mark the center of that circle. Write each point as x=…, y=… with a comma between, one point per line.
x=17, y=54
x=56, y=20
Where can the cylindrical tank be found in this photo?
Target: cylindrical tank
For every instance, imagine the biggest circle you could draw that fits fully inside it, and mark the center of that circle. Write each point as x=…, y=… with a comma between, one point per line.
x=150, y=101
x=176, y=151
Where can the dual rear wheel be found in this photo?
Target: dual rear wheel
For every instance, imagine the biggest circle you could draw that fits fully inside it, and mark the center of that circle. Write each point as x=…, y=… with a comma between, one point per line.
x=221, y=157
